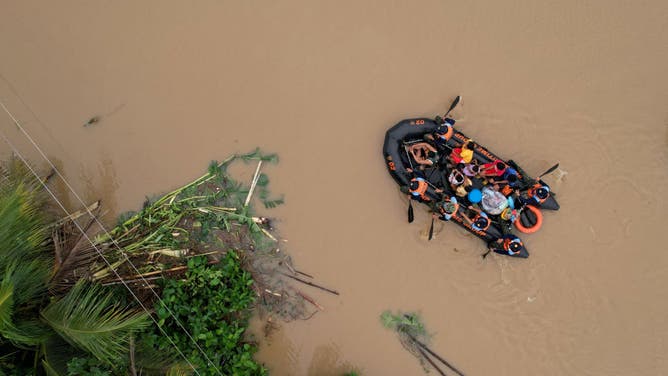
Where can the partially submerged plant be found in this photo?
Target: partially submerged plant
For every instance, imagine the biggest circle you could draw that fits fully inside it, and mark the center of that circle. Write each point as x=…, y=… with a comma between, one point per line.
x=413, y=335
x=408, y=324
x=183, y=223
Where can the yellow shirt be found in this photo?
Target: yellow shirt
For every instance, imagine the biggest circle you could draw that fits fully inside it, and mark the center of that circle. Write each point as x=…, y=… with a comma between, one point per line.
x=467, y=155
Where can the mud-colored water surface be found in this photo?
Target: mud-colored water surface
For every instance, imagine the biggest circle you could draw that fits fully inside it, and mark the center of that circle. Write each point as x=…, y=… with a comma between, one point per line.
x=584, y=83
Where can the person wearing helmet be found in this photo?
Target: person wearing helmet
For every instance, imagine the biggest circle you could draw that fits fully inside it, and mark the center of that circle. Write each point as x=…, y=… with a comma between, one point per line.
x=448, y=208
x=442, y=134
x=480, y=222
x=509, y=245
x=419, y=189
x=537, y=194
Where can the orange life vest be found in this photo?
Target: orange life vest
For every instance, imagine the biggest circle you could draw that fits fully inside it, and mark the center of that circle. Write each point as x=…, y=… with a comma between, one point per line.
x=487, y=219
x=506, y=190
x=454, y=212
x=421, y=189
x=448, y=133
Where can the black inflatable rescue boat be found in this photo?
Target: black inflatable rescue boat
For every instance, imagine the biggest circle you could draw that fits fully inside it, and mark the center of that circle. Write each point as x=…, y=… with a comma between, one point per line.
x=527, y=196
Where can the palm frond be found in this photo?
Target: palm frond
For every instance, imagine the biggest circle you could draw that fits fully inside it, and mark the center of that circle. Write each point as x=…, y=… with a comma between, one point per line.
x=21, y=333
x=23, y=229
x=29, y=279
x=6, y=302
x=91, y=318
x=74, y=257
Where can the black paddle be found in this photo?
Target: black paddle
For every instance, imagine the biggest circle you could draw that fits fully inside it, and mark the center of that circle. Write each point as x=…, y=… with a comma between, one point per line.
x=551, y=169
x=410, y=200
x=431, y=229
x=453, y=105
x=486, y=253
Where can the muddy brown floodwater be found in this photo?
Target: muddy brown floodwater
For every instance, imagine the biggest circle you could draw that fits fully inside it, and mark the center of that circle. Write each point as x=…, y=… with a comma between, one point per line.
x=177, y=84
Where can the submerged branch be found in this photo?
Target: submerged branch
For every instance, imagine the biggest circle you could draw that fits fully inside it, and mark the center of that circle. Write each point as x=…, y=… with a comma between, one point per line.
x=310, y=300
x=312, y=284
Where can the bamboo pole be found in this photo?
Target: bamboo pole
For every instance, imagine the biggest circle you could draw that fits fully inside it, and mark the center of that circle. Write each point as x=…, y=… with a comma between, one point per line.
x=81, y=212
x=427, y=349
x=424, y=355
x=311, y=284
x=253, y=183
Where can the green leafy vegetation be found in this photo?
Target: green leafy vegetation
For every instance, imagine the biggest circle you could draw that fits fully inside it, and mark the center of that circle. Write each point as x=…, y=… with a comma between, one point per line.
x=63, y=310
x=213, y=304
x=404, y=323
x=87, y=366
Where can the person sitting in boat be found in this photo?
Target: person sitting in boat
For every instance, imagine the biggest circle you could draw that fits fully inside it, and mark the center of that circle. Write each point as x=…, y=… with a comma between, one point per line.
x=493, y=170
x=470, y=169
x=419, y=189
x=480, y=222
x=443, y=133
x=423, y=153
x=512, y=176
x=459, y=183
x=448, y=207
x=508, y=186
x=464, y=153
x=509, y=245
x=536, y=195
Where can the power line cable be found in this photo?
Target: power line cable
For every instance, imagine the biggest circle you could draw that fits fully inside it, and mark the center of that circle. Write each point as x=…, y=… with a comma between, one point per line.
x=120, y=249
x=16, y=151
x=69, y=186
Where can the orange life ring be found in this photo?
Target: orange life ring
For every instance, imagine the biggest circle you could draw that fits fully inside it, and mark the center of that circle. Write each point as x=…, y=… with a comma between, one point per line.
x=536, y=226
